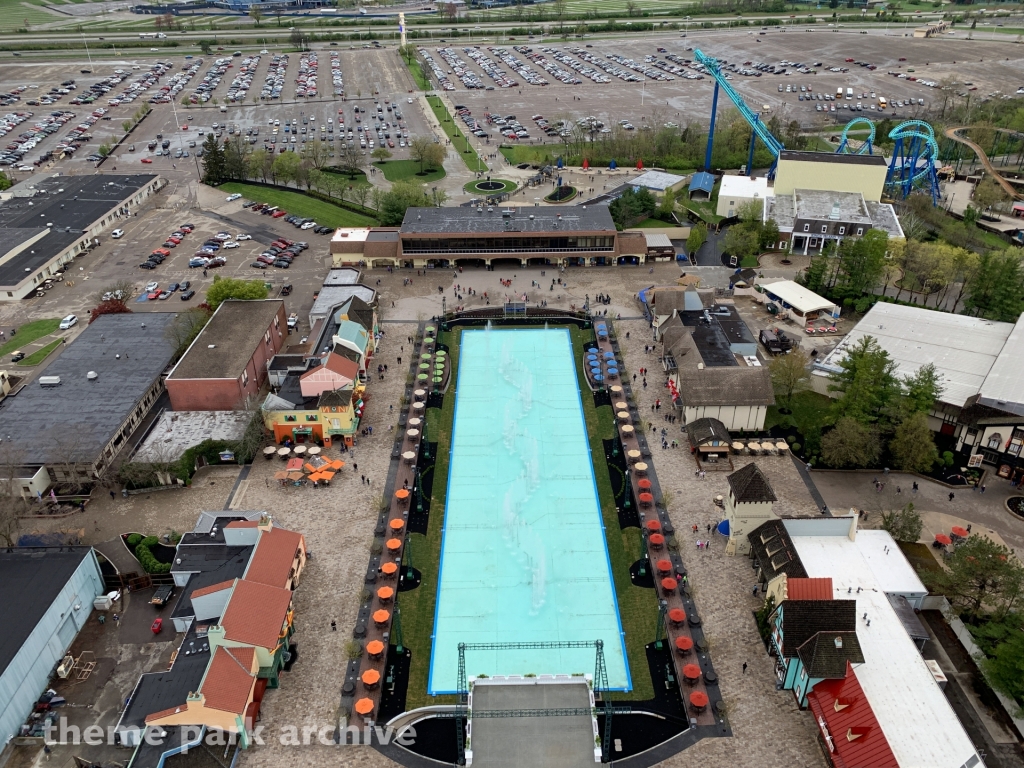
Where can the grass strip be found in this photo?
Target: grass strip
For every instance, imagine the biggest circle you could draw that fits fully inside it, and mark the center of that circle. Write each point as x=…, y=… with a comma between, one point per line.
x=459, y=141
x=40, y=354
x=29, y=332
x=418, y=605
x=638, y=606
x=294, y=202
x=409, y=170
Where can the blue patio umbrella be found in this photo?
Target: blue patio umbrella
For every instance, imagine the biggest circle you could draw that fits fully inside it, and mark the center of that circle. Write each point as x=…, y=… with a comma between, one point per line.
x=598, y=377
x=608, y=353
x=560, y=163
x=612, y=165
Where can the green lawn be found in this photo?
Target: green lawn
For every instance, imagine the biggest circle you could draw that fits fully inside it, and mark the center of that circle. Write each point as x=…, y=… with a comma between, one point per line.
x=542, y=154
x=416, y=70
x=507, y=186
x=810, y=410
x=409, y=170
x=29, y=332
x=325, y=213
x=638, y=607
x=454, y=132
x=655, y=224
x=40, y=354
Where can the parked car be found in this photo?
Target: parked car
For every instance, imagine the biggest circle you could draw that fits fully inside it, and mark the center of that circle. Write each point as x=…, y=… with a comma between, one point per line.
x=164, y=295
x=172, y=287
x=150, y=287
x=280, y=264
x=243, y=236
x=259, y=265
x=232, y=198
x=154, y=295
x=187, y=295
x=17, y=356
x=286, y=290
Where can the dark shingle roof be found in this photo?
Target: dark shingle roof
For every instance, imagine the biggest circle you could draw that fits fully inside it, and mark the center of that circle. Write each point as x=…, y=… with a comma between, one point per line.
x=30, y=581
x=803, y=619
x=773, y=549
x=822, y=658
x=750, y=485
x=702, y=430
x=455, y=221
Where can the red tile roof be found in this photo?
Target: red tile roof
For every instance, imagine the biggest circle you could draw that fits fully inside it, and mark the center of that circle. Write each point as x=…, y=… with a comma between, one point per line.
x=853, y=733
x=167, y=712
x=213, y=588
x=229, y=680
x=243, y=524
x=809, y=589
x=271, y=563
x=255, y=614
x=342, y=366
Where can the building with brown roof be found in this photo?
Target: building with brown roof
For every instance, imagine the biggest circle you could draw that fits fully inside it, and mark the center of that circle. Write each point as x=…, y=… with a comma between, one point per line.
x=279, y=559
x=714, y=368
x=227, y=361
x=228, y=699
x=748, y=504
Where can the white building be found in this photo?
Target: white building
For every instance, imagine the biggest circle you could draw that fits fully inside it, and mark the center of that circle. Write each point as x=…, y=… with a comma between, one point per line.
x=867, y=566
x=800, y=301
x=981, y=365
x=737, y=190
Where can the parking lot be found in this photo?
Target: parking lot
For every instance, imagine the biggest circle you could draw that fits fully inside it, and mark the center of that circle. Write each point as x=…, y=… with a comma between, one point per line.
x=635, y=80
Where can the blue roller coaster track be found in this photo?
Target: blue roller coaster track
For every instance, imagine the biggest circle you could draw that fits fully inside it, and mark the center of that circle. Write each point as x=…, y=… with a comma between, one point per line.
x=760, y=130
x=867, y=148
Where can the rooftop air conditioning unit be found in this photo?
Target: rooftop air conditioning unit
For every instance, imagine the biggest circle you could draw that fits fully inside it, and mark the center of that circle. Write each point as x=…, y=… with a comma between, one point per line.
x=49, y=381
x=92, y=375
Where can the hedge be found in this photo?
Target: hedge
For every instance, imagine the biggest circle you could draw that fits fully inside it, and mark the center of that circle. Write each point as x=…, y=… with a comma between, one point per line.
x=149, y=563
x=134, y=540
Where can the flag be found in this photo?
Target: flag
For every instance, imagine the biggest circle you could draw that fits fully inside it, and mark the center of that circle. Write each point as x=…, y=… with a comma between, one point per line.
x=640, y=165
x=559, y=162
x=586, y=164
x=612, y=165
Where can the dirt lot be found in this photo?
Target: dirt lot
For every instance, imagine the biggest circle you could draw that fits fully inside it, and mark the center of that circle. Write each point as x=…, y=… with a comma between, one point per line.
x=991, y=66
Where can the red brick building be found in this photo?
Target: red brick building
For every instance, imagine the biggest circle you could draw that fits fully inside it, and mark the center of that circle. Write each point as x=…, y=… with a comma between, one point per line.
x=228, y=361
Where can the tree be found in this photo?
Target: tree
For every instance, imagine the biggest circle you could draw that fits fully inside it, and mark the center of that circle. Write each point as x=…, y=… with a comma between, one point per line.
x=979, y=575
x=436, y=154
x=850, y=444
x=256, y=13
x=789, y=375
x=286, y=167
x=988, y=194
x=225, y=288
x=697, y=237
x=632, y=206
x=998, y=287
x=236, y=158
x=109, y=307
x=867, y=382
x=922, y=388
x=5, y=181
x=213, y=161
x=316, y=153
x=1004, y=669
x=380, y=154
x=205, y=46
x=750, y=211
x=913, y=445
x=187, y=325
x=418, y=150
x=861, y=262
x=393, y=204
x=258, y=164
x=742, y=241
x=903, y=524
x=770, y=235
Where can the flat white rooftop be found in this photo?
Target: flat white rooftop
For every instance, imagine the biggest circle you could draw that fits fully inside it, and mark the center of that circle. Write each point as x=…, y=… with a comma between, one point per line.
x=963, y=349
x=1002, y=388
x=795, y=295
x=744, y=187
x=918, y=722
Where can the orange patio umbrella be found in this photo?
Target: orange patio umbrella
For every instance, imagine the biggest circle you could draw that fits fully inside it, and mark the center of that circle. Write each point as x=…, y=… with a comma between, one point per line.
x=699, y=699
x=389, y=569
x=963, y=533
x=375, y=647
x=315, y=477
x=943, y=539
x=651, y=525
x=326, y=474
x=656, y=539
x=364, y=706
x=282, y=475
x=402, y=493
x=669, y=584
x=336, y=464
x=677, y=615
x=370, y=677
x=385, y=593
x=644, y=483
x=381, y=616
x=394, y=545
x=397, y=524
x=309, y=468
x=691, y=671
x=665, y=566
x=684, y=644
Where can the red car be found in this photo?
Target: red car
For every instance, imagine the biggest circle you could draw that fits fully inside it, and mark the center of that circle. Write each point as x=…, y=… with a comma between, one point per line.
x=146, y=160
x=157, y=626
x=279, y=214
x=153, y=296
x=173, y=239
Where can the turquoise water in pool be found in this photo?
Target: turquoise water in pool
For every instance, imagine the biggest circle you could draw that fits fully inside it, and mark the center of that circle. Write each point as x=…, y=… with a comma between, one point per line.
x=523, y=554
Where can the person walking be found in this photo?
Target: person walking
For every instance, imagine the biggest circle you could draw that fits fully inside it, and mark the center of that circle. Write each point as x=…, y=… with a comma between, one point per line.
x=744, y=667
x=951, y=494
x=334, y=626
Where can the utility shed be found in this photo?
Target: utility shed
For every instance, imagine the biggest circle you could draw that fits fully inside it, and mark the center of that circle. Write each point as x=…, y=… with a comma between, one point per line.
x=46, y=596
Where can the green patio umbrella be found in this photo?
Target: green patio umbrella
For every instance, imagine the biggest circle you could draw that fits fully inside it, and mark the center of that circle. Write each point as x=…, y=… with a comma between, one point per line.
x=426, y=356
x=422, y=377
x=424, y=366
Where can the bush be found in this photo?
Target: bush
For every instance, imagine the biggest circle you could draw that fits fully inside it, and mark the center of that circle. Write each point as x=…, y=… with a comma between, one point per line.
x=149, y=563
x=948, y=458
x=797, y=446
x=790, y=439
x=150, y=541
x=134, y=540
